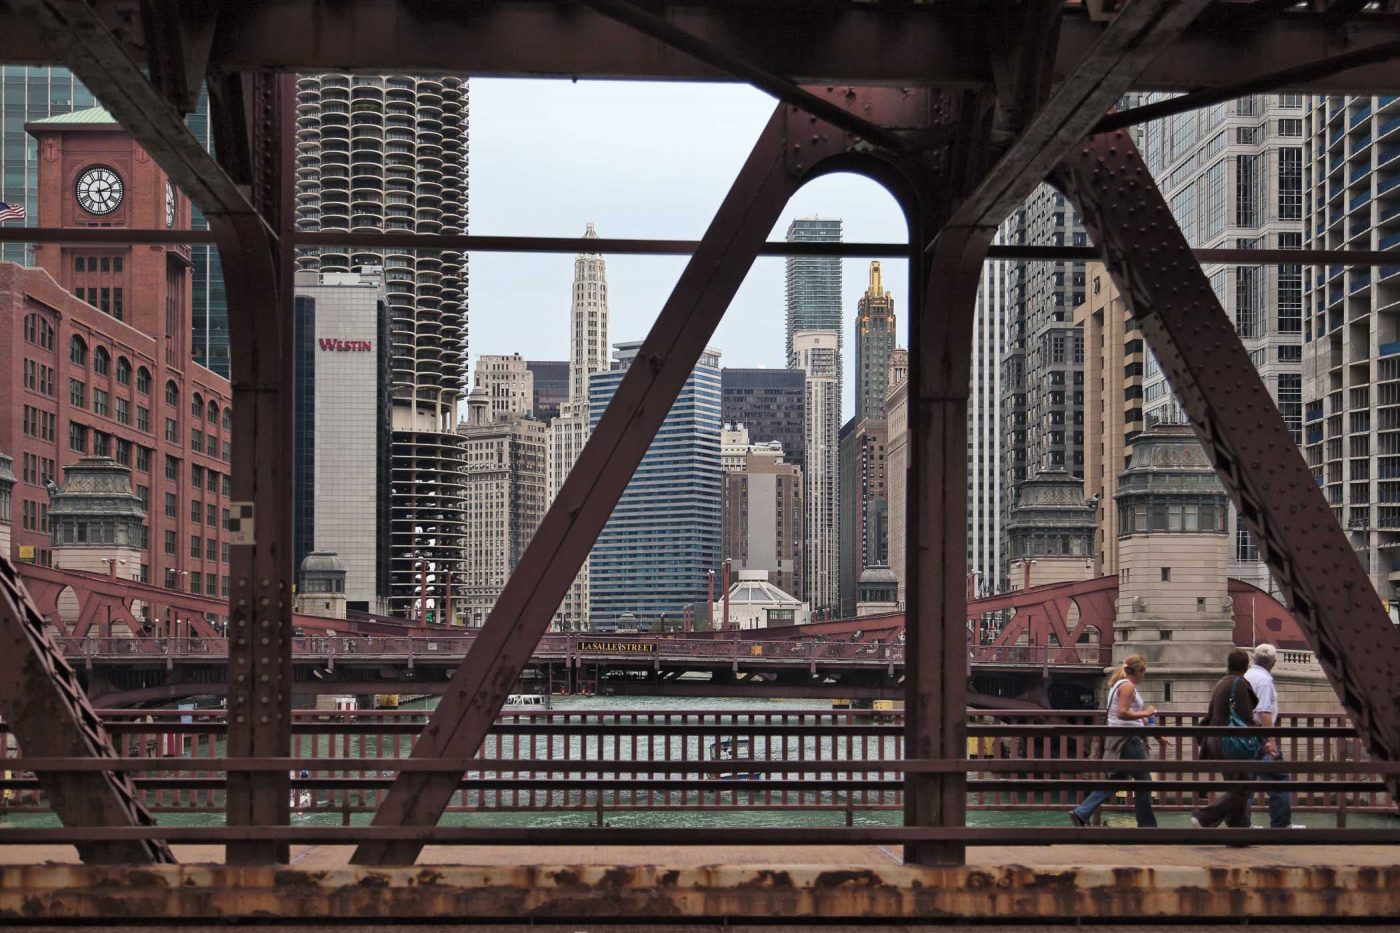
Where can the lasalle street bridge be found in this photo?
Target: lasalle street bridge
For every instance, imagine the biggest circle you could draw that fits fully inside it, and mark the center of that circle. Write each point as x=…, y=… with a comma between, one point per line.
x=960, y=108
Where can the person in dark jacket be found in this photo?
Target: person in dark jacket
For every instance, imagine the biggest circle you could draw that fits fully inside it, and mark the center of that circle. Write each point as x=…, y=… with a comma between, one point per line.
x=1231, y=807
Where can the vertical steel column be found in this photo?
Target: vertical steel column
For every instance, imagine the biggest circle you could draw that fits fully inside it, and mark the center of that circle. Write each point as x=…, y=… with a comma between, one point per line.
x=935, y=686
x=685, y=325
x=258, y=272
x=49, y=714
x=1241, y=429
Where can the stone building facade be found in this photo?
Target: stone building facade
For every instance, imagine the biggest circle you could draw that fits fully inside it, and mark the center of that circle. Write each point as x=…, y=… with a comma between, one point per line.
x=817, y=354
x=763, y=519
x=506, y=499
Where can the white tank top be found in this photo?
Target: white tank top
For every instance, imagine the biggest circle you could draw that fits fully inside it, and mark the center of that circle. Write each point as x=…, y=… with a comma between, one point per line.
x=1135, y=704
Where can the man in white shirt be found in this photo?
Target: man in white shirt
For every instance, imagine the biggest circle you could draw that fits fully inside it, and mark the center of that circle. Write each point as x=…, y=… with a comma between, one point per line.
x=1261, y=678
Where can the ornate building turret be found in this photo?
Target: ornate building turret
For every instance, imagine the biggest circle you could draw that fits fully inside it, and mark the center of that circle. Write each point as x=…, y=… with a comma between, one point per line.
x=7, y=485
x=1173, y=600
x=321, y=591
x=1050, y=531
x=96, y=520
x=878, y=591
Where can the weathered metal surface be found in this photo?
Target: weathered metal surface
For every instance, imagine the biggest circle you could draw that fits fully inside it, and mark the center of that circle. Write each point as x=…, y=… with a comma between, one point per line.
x=45, y=708
x=1242, y=431
x=815, y=43
x=258, y=279
x=861, y=888
x=258, y=274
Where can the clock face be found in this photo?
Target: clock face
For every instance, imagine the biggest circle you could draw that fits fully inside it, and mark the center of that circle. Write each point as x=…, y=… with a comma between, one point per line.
x=99, y=190
x=169, y=205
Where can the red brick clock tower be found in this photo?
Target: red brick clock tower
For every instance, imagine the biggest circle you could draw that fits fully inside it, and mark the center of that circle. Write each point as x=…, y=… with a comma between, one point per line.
x=92, y=174
x=95, y=361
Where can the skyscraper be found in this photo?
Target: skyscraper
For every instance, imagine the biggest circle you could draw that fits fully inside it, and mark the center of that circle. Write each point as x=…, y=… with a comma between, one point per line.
x=984, y=437
x=1233, y=175
x=814, y=284
x=763, y=518
x=506, y=498
x=508, y=383
x=588, y=340
x=342, y=430
x=863, y=517
x=770, y=404
x=389, y=152
x=550, y=388
x=653, y=556
x=817, y=354
x=1043, y=366
x=874, y=343
x=1351, y=326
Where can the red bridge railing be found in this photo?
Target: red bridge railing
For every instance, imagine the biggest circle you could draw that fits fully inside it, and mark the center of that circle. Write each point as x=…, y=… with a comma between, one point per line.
x=597, y=762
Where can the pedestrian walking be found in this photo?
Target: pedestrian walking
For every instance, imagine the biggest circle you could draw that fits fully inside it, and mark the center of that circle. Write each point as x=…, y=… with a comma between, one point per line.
x=1261, y=677
x=1232, y=703
x=1125, y=708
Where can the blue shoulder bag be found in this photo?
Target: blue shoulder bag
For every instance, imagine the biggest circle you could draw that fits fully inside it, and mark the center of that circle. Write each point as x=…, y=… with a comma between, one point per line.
x=1238, y=747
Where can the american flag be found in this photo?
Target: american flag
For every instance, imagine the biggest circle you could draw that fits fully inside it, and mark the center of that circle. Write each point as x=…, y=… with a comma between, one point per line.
x=11, y=211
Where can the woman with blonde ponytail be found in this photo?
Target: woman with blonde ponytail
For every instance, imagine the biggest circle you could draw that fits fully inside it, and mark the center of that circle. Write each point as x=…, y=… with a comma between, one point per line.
x=1126, y=709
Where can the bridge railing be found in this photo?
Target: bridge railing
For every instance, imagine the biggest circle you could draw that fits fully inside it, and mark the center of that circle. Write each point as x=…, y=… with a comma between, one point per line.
x=582, y=647
x=590, y=763
x=456, y=645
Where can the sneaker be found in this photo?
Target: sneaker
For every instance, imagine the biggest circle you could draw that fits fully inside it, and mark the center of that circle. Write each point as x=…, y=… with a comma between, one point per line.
x=1078, y=820
x=1196, y=824
x=1296, y=826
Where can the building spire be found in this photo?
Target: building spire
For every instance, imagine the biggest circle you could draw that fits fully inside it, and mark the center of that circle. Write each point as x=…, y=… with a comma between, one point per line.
x=876, y=288
x=590, y=233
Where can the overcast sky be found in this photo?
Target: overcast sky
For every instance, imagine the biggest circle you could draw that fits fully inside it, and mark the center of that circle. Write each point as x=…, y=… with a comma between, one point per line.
x=638, y=160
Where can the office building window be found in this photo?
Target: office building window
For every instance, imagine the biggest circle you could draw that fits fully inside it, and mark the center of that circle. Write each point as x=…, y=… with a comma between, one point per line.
x=1290, y=183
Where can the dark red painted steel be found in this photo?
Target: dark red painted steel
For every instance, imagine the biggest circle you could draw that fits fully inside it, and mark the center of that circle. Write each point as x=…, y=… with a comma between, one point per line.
x=258, y=270
x=45, y=708
x=892, y=44
x=1243, y=434
x=104, y=600
x=596, y=482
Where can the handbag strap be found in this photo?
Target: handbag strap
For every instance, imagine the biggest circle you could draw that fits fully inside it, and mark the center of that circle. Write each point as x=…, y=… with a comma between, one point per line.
x=1232, y=711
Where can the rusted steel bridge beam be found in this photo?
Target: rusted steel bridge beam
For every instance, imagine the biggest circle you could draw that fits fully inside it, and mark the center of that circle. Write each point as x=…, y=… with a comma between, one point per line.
x=1043, y=124
x=248, y=115
x=45, y=707
x=595, y=484
x=1242, y=431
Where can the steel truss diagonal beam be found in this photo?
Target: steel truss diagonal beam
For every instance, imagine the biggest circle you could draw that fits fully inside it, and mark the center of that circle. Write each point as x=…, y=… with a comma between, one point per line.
x=940, y=373
x=1238, y=424
x=647, y=23
x=559, y=547
x=45, y=707
x=258, y=278
x=1129, y=43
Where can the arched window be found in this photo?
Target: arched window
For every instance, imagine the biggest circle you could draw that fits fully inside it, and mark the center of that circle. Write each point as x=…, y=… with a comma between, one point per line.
x=228, y=419
x=77, y=350
x=101, y=361
x=123, y=371
x=197, y=406
x=143, y=381
x=172, y=393
x=213, y=412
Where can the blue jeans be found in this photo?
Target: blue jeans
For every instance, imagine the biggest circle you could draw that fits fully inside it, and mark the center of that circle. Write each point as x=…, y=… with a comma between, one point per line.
x=1280, y=801
x=1135, y=749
